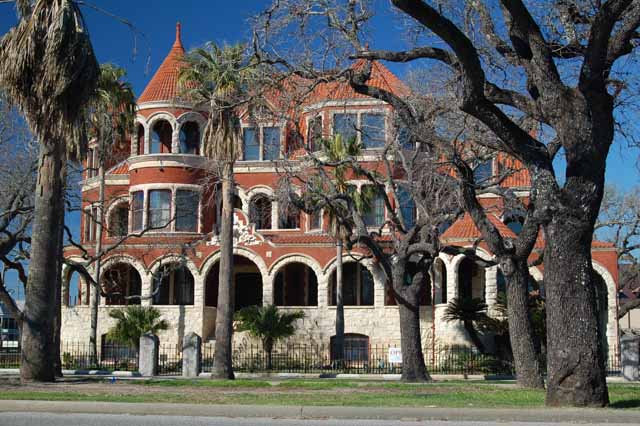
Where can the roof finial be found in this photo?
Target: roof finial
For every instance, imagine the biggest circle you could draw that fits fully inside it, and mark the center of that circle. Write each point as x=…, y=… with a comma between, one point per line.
x=178, y=33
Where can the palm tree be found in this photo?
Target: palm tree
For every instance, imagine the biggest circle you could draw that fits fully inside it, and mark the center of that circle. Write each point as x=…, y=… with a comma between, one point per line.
x=111, y=116
x=472, y=312
x=49, y=70
x=218, y=77
x=133, y=322
x=338, y=149
x=268, y=325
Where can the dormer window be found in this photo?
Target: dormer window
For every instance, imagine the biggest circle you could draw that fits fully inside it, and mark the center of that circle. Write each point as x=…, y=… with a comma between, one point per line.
x=261, y=143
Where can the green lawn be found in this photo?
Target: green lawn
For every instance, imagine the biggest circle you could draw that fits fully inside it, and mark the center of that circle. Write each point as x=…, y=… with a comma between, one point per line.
x=305, y=392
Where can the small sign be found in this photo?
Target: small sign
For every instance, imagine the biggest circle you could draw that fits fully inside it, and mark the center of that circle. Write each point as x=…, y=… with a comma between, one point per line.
x=395, y=355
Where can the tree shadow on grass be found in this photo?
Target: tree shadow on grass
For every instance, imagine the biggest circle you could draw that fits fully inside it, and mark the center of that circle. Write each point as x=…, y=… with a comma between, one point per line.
x=626, y=403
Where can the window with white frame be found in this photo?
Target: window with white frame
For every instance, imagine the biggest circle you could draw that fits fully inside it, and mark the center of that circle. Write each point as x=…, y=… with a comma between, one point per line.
x=190, y=138
x=289, y=219
x=137, y=210
x=407, y=207
x=315, y=220
x=374, y=208
x=159, y=211
x=260, y=211
x=187, y=206
x=90, y=223
x=367, y=127
x=261, y=143
x=314, y=134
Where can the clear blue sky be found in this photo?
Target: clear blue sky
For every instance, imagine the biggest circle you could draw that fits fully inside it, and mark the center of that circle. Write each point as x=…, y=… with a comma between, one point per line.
x=225, y=21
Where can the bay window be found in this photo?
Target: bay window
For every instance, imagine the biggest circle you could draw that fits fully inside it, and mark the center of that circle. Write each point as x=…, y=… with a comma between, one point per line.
x=137, y=210
x=345, y=125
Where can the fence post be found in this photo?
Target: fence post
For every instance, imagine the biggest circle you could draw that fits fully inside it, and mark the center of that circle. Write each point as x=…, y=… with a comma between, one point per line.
x=630, y=356
x=148, y=355
x=191, y=355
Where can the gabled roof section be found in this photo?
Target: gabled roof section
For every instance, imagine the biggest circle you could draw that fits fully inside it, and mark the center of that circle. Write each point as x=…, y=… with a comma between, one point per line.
x=164, y=84
x=465, y=229
x=381, y=78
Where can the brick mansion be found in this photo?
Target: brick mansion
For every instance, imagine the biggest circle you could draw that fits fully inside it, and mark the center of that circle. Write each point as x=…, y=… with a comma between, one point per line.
x=286, y=260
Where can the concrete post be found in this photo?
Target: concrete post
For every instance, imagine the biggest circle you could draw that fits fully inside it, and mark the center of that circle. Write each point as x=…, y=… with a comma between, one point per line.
x=191, y=355
x=148, y=355
x=630, y=356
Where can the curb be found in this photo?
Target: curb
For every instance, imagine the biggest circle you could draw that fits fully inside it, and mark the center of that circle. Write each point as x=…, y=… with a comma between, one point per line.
x=589, y=416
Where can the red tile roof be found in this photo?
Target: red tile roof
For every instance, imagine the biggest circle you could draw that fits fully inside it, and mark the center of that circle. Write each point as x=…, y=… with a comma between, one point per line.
x=119, y=169
x=381, y=78
x=465, y=228
x=164, y=84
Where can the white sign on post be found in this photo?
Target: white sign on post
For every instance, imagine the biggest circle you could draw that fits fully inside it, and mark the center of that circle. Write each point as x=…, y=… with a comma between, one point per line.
x=395, y=355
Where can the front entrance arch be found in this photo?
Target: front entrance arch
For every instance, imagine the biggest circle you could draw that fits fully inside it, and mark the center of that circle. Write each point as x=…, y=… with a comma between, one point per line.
x=247, y=282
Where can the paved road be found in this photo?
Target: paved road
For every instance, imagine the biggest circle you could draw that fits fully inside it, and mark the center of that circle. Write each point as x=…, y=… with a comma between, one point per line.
x=49, y=419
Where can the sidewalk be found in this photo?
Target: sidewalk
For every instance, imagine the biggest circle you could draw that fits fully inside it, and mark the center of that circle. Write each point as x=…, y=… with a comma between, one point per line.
x=569, y=415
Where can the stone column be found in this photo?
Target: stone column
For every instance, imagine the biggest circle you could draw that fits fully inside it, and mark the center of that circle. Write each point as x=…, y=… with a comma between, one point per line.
x=630, y=356
x=191, y=355
x=175, y=138
x=491, y=286
x=148, y=355
x=267, y=290
x=146, y=289
x=452, y=277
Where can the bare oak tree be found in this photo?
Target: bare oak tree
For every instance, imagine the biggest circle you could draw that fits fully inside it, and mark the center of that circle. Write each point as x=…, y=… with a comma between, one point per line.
x=559, y=64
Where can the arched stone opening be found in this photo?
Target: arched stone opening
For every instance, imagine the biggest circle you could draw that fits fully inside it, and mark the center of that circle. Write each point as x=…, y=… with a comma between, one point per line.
x=161, y=136
x=356, y=347
x=357, y=285
x=190, y=138
x=173, y=284
x=247, y=282
x=121, y=282
x=78, y=291
x=296, y=284
x=471, y=280
x=440, y=281
x=424, y=298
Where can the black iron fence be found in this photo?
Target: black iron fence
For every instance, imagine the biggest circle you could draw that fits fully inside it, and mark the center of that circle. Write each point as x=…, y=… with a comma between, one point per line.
x=357, y=359
x=169, y=360
x=288, y=358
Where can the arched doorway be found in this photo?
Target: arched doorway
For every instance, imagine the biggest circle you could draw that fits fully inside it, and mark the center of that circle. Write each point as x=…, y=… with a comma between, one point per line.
x=77, y=290
x=357, y=285
x=247, y=281
x=121, y=282
x=296, y=284
x=173, y=284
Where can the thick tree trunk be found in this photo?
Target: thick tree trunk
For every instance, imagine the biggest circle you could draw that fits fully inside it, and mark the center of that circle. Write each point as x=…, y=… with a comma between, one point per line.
x=57, y=359
x=225, y=309
x=413, y=366
x=339, y=339
x=521, y=333
x=94, y=297
x=39, y=311
x=575, y=360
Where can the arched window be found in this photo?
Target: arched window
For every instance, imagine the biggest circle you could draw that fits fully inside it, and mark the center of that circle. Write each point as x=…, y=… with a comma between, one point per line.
x=260, y=212
x=173, y=285
x=78, y=292
x=119, y=221
x=140, y=139
x=161, y=136
x=190, y=138
x=296, y=285
x=357, y=286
